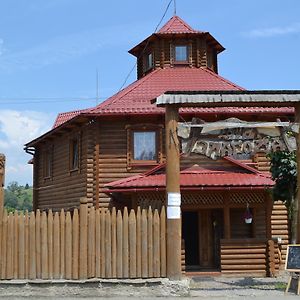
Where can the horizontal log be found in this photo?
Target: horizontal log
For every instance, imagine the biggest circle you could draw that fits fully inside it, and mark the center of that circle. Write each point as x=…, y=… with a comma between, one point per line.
x=278, y=217
x=237, y=251
x=243, y=261
x=279, y=212
x=249, y=272
x=279, y=222
x=261, y=267
x=243, y=256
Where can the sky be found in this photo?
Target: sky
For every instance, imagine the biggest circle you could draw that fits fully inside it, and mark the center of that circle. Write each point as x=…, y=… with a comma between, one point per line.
x=50, y=52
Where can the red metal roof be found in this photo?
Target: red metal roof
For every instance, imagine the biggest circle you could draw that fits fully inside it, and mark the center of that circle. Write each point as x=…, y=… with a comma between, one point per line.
x=238, y=175
x=136, y=98
x=212, y=179
x=176, y=26
x=66, y=116
x=138, y=95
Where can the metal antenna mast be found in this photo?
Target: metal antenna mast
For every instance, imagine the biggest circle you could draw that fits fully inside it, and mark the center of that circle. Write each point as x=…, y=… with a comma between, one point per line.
x=97, y=86
x=175, y=9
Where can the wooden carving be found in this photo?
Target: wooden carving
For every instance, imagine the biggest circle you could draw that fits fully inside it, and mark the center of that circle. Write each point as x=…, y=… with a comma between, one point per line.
x=217, y=140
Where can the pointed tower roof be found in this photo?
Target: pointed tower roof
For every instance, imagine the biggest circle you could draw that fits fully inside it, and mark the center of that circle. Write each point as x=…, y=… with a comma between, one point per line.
x=176, y=26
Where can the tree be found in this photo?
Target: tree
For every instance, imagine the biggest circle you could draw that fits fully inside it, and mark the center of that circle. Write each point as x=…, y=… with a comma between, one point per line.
x=284, y=173
x=18, y=197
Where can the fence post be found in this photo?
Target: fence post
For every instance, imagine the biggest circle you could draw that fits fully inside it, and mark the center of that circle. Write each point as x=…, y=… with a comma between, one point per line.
x=2, y=172
x=83, y=221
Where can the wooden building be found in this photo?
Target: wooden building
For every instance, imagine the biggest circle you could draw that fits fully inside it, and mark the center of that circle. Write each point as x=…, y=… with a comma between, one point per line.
x=113, y=154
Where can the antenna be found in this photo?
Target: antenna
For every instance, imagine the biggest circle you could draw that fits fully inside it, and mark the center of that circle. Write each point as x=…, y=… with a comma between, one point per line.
x=175, y=8
x=97, y=86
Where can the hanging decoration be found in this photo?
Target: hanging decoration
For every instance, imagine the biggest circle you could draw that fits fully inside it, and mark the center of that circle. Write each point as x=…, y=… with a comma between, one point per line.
x=247, y=215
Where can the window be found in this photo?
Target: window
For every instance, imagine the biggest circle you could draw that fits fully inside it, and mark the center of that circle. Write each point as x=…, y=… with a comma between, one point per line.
x=74, y=154
x=181, y=53
x=148, y=61
x=47, y=163
x=144, y=145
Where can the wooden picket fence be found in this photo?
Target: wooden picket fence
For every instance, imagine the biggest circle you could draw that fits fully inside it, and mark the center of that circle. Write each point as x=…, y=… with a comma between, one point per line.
x=90, y=243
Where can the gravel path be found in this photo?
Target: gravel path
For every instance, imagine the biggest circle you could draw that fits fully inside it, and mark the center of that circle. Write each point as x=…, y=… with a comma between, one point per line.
x=198, y=287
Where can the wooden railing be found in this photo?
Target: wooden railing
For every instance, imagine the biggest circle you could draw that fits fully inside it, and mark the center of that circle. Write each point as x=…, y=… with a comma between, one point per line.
x=90, y=243
x=251, y=256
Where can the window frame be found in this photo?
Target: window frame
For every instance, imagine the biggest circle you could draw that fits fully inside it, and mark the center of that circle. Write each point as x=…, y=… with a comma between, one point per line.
x=131, y=129
x=147, y=64
x=183, y=62
x=72, y=167
x=48, y=162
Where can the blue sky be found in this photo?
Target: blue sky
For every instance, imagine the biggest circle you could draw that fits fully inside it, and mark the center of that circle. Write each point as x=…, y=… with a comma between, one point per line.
x=50, y=51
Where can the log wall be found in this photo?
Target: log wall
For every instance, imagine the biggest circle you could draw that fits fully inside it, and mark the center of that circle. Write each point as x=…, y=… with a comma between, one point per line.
x=200, y=54
x=64, y=187
x=90, y=243
x=253, y=256
x=280, y=227
x=112, y=159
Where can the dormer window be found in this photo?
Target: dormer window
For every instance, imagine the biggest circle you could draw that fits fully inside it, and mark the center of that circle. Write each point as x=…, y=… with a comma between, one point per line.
x=148, y=61
x=181, y=53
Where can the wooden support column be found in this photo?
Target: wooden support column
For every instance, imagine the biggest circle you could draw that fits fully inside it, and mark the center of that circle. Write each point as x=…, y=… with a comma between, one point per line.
x=296, y=207
x=173, y=195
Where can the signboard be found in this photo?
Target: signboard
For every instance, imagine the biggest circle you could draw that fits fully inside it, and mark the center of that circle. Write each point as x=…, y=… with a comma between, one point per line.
x=174, y=199
x=292, y=262
x=232, y=137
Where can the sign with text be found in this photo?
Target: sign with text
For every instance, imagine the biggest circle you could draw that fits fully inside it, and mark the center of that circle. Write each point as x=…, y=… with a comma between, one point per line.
x=219, y=139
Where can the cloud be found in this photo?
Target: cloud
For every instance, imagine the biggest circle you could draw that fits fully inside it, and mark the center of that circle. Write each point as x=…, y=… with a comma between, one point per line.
x=273, y=31
x=2, y=49
x=17, y=128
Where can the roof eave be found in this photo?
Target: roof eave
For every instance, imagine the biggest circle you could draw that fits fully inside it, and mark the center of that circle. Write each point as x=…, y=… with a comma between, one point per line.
x=79, y=118
x=188, y=188
x=236, y=98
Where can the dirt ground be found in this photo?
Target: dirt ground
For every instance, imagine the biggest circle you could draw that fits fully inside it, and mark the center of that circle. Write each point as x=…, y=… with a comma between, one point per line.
x=196, y=287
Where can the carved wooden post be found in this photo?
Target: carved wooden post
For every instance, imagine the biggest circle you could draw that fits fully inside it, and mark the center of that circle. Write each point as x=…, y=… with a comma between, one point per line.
x=173, y=195
x=297, y=120
x=2, y=173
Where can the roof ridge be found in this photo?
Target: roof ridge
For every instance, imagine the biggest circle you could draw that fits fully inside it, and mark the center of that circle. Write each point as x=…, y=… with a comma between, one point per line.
x=222, y=78
x=183, y=23
x=169, y=25
x=241, y=164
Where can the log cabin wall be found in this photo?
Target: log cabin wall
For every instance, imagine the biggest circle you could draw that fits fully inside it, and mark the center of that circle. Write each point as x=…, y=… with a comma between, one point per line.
x=200, y=54
x=280, y=227
x=63, y=188
x=112, y=138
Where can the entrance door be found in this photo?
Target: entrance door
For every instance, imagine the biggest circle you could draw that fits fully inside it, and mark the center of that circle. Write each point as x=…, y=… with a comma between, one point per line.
x=190, y=236
x=202, y=231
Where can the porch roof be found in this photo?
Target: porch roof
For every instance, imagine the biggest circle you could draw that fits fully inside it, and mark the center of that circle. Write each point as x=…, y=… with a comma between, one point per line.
x=196, y=177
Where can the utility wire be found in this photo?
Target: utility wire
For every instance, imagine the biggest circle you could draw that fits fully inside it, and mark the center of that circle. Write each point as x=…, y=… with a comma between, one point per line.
x=40, y=100
x=45, y=100
x=144, y=49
